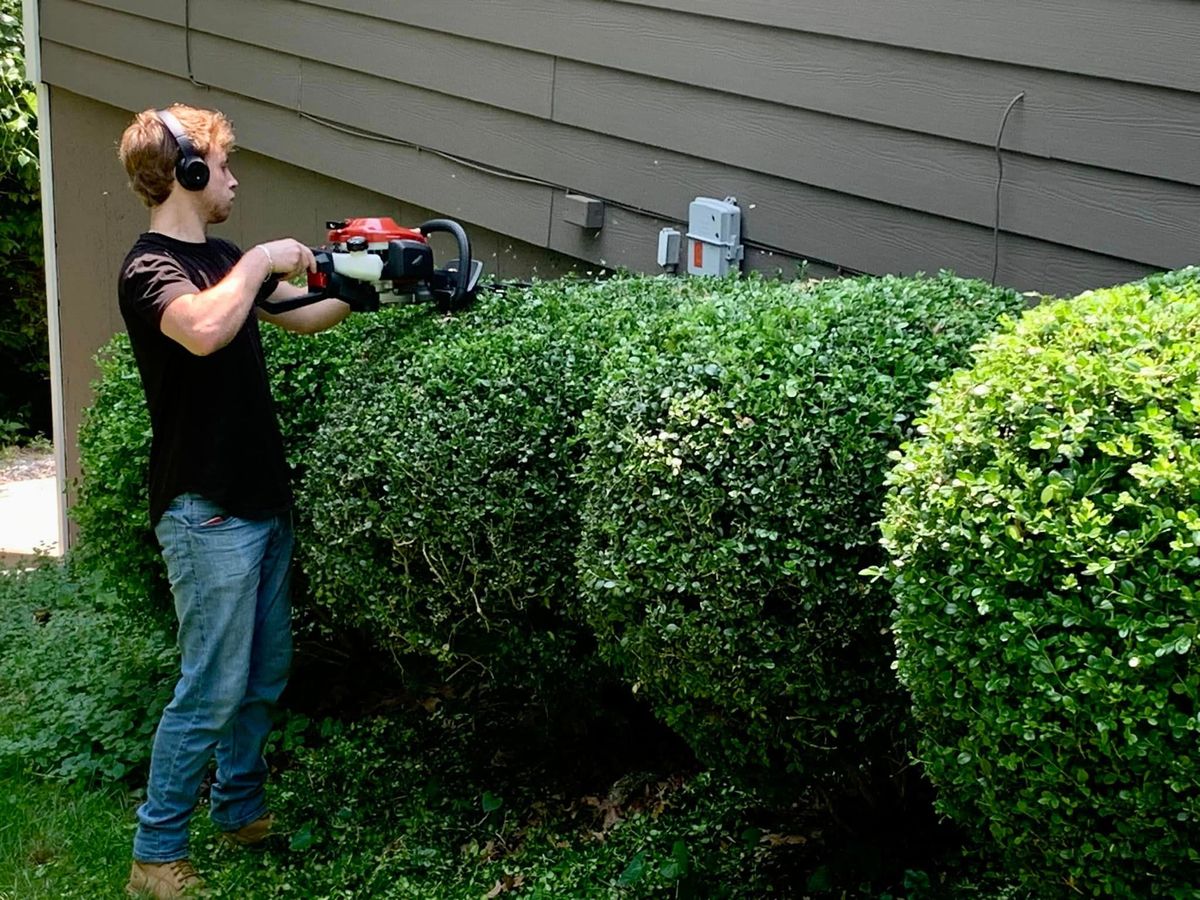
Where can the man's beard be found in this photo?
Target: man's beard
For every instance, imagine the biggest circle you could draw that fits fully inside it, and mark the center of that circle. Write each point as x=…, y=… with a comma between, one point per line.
x=218, y=213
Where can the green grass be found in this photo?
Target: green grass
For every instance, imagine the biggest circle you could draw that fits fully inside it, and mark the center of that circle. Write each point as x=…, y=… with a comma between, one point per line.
x=73, y=841
x=59, y=841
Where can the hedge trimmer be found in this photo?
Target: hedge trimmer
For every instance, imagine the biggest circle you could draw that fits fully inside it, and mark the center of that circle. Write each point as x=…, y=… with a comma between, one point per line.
x=370, y=257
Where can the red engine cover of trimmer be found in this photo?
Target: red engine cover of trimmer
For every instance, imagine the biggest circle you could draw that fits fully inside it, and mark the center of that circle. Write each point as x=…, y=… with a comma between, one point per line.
x=376, y=231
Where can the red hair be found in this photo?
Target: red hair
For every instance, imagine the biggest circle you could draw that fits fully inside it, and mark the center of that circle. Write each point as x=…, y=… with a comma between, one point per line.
x=149, y=152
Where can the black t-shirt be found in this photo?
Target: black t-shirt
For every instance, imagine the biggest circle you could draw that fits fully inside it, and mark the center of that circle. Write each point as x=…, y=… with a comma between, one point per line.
x=214, y=425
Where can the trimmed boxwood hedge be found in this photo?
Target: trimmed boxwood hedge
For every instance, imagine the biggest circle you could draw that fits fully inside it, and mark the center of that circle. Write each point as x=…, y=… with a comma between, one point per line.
x=1045, y=560
x=738, y=448
x=442, y=487
x=112, y=506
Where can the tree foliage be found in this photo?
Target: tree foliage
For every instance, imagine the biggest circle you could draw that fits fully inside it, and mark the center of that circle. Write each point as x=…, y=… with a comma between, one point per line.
x=24, y=366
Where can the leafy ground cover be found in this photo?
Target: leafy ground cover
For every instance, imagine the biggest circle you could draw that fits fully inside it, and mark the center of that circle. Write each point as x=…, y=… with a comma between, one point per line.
x=414, y=792
x=674, y=838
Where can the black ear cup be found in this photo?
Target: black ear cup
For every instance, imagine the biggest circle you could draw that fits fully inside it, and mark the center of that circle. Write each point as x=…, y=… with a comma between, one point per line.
x=191, y=171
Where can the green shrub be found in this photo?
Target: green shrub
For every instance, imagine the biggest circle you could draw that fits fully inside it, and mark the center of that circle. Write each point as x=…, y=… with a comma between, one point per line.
x=112, y=509
x=1044, y=538
x=308, y=372
x=441, y=490
x=112, y=506
x=738, y=450
x=81, y=688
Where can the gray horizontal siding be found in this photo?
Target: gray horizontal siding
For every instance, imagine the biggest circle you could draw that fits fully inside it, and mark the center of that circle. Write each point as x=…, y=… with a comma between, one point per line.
x=152, y=43
x=515, y=208
x=502, y=76
x=1080, y=205
x=173, y=12
x=613, y=99
x=1125, y=126
x=878, y=238
x=1149, y=41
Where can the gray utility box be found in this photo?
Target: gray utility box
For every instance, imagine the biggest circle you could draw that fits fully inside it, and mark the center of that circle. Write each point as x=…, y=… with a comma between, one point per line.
x=586, y=212
x=714, y=236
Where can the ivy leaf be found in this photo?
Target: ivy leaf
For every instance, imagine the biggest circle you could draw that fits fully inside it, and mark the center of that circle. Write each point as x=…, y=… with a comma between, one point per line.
x=677, y=866
x=634, y=871
x=303, y=838
x=490, y=802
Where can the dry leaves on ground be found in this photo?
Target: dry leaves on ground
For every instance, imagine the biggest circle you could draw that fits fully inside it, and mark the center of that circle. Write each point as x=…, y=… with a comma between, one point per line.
x=25, y=463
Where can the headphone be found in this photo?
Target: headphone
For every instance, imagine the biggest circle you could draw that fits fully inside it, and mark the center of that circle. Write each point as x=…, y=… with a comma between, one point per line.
x=191, y=171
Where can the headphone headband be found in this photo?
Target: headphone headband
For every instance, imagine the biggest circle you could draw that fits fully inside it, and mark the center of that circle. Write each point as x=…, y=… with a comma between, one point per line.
x=191, y=171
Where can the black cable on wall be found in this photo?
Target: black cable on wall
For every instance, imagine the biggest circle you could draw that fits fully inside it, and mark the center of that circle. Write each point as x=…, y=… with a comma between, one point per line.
x=1000, y=180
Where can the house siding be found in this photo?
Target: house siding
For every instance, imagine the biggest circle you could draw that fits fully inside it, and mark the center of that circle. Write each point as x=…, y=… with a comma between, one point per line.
x=856, y=134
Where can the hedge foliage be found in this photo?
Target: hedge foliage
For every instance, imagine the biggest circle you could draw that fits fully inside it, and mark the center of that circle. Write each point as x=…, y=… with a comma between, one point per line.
x=1045, y=558
x=112, y=505
x=731, y=475
x=442, y=487
x=738, y=452
x=112, y=509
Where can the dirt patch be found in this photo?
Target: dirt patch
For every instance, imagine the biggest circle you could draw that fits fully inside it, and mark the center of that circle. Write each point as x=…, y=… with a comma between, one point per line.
x=25, y=463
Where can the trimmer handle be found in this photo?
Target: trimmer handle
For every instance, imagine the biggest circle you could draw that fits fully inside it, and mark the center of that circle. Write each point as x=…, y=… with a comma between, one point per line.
x=453, y=288
x=326, y=283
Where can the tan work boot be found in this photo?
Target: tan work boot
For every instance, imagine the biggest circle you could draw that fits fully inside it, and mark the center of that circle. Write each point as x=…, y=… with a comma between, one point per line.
x=164, y=881
x=252, y=836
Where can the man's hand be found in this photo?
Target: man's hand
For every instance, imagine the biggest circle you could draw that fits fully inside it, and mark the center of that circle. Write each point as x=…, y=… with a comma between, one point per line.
x=286, y=257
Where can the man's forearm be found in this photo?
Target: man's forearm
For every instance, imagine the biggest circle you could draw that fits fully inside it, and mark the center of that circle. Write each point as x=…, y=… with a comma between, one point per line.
x=311, y=318
x=206, y=321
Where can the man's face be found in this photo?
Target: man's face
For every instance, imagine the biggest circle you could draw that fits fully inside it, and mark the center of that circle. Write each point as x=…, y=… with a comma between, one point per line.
x=217, y=196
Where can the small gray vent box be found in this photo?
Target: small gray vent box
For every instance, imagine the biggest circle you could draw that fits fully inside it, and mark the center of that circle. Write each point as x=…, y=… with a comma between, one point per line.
x=668, y=248
x=714, y=236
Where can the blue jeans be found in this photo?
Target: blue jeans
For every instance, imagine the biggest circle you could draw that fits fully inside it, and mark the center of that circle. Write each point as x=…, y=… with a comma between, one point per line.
x=229, y=578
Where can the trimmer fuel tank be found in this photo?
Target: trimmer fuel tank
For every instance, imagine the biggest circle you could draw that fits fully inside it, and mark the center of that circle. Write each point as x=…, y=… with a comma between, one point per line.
x=377, y=231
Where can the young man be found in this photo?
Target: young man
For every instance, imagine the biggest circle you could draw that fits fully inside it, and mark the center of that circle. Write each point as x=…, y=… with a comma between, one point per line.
x=219, y=494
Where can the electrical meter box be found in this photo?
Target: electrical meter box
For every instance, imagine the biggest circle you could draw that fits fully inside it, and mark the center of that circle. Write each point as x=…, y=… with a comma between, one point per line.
x=714, y=236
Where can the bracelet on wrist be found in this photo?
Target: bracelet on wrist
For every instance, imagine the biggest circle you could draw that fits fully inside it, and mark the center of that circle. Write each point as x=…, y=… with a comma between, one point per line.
x=270, y=262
